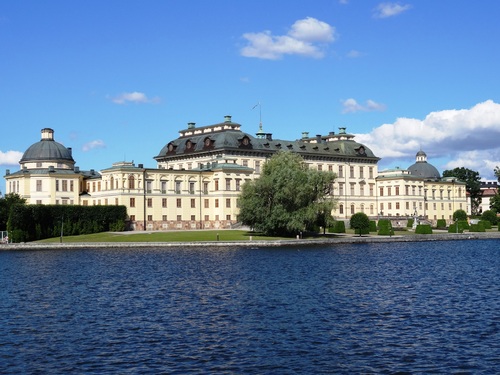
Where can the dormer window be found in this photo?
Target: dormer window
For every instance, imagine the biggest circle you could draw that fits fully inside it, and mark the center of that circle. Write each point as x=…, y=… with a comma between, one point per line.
x=245, y=142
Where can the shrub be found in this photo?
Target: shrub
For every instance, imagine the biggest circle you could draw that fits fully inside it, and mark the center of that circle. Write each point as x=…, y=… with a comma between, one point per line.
x=385, y=227
x=423, y=229
x=410, y=223
x=486, y=224
x=459, y=215
x=491, y=216
x=457, y=227
x=373, y=226
x=360, y=223
x=338, y=227
x=441, y=223
x=479, y=227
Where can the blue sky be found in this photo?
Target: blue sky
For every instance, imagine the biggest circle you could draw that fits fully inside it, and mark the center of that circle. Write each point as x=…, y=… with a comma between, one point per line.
x=116, y=80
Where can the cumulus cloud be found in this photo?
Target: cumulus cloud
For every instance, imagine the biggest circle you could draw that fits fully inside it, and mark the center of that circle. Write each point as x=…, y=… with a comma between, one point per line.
x=466, y=137
x=351, y=105
x=133, y=97
x=10, y=157
x=306, y=37
x=92, y=145
x=385, y=10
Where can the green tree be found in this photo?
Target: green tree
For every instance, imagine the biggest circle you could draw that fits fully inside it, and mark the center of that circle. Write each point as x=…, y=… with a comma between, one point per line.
x=6, y=204
x=495, y=202
x=472, y=185
x=288, y=197
x=360, y=221
x=459, y=215
x=490, y=216
x=497, y=173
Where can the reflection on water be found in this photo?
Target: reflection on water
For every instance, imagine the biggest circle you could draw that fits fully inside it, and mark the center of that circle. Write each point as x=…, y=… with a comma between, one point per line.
x=365, y=308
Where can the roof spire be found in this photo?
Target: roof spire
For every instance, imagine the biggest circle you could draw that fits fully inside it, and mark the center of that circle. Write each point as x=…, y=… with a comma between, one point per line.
x=260, y=133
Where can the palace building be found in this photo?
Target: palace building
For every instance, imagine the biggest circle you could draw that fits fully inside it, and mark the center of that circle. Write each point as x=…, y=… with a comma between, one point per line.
x=198, y=177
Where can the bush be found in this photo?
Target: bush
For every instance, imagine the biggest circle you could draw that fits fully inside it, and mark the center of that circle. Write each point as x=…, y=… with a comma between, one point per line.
x=491, y=216
x=385, y=227
x=423, y=229
x=459, y=215
x=479, y=227
x=458, y=227
x=410, y=223
x=360, y=223
x=338, y=227
x=373, y=226
x=486, y=224
x=441, y=223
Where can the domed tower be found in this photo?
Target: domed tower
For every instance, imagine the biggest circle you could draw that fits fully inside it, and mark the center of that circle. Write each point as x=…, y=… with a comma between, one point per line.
x=422, y=168
x=47, y=152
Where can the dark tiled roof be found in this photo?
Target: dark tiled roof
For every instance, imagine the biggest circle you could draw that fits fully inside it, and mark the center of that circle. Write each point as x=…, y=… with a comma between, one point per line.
x=47, y=150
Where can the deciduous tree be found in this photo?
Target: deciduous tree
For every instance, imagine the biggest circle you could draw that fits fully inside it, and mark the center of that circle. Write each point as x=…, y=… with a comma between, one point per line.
x=5, y=205
x=360, y=221
x=472, y=185
x=288, y=197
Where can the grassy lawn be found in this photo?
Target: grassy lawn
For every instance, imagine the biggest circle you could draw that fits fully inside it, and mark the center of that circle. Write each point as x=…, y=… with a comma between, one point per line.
x=181, y=236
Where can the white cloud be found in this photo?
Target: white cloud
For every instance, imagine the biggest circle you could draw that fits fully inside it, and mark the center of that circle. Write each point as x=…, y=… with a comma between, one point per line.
x=98, y=143
x=133, y=97
x=306, y=37
x=466, y=137
x=354, y=54
x=351, y=105
x=385, y=10
x=10, y=157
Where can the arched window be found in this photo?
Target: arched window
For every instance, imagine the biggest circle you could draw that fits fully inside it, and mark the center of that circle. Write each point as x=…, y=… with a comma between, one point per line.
x=131, y=182
x=341, y=209
x=352, y=209
x=112, y=182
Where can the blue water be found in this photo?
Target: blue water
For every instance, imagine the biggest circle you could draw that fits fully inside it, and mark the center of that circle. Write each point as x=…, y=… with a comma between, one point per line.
x=430, y=307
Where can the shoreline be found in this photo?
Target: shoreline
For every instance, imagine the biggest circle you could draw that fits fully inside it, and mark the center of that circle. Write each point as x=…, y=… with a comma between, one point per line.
x=340, y=239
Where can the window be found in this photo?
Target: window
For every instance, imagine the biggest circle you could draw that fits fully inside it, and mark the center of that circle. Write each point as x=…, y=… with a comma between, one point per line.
x=389, y=190
x=191, y=188
x=381, y=207
x=193, y=218
x=149, y=186
x=361, y=172
x=330, y=168
x=164, y=217
x=206, y=203
x=353, y=211
x=38, y=201
x=341, y=171
x=111, y=182
x=238, y=183
x=177, y=187
x=381, y=191
x=397, y=190
x=370, y=172
x=341, y=189
x=207, y=218
x=228, y=184
x=371, y=190
x=389, y=206
x=216, y=203
x=150, y=217
x=131, y=182
x=71, y=185
x=257, y=166
x=371, y=209
x=352, y=189
x=205, y=188
x=361, y=189
x=216, y=185
x=163, y=187
x=320, y=167
x=179, y=217
x=228, y=217
x=397, y=205
x=228, y=202
x=150, y=202
x=341, y=209
x=164, y=202
x=132, y=217
x=132, y=202
x=179, y=202
x=98, y=186
x=245, y=162
x=351, y=172
x=57, y=185
x=193, y=203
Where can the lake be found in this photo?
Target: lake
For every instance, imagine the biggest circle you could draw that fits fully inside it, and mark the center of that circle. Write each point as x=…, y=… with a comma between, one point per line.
x=422, y=307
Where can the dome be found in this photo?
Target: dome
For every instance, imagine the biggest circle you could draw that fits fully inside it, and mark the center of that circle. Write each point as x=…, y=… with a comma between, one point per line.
x=423, y=169
x=47, y=150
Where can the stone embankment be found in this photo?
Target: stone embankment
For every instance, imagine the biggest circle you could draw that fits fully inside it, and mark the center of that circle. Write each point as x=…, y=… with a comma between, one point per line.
x=334, y=240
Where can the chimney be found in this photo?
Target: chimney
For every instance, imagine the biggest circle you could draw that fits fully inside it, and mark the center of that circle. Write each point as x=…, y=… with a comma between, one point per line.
x=141, y=165
x=7, y=172
x=92, y=172
x=51, y=168
x=77, y=169
x=269, y=136
x=191, y=125
x=70, y=151
x=318, y=138
x=305, y=135
x=227, y=118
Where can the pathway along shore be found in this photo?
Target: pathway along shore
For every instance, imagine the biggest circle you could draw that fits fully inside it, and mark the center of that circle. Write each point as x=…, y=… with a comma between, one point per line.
x=336, y=240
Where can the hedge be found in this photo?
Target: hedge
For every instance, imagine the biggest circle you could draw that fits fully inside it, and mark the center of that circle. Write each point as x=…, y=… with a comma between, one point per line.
x=409, y=224
x=385, y=227
x=441, y=223
x=479, y=227
x=486, y=224
x=338, y=227
x=35, y=222
x=423, y=229
x=373, y=226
